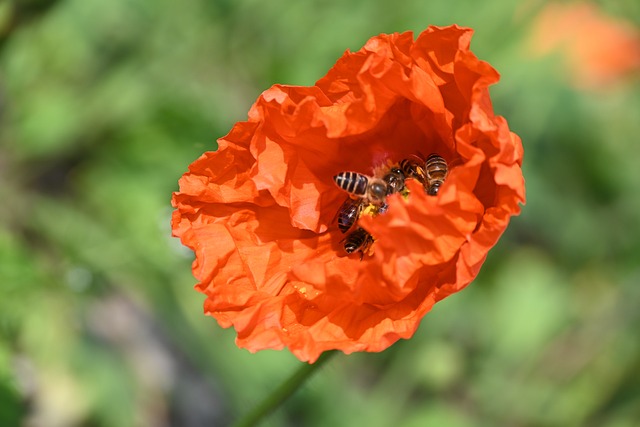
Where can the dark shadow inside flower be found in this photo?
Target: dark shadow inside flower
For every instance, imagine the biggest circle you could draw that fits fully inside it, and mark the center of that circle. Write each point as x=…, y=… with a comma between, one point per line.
x=406, y=129
x=485, y=188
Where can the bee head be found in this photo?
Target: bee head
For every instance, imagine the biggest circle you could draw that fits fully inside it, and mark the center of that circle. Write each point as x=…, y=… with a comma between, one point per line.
x=433, y=189
x=394, y=180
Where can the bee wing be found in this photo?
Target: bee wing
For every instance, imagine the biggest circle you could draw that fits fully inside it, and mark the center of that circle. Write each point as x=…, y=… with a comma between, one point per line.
x=349, y=201
x=418, y=157
x=342, y=206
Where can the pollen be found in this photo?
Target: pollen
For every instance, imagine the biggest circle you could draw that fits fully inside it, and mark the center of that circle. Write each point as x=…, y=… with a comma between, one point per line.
x=371, y=210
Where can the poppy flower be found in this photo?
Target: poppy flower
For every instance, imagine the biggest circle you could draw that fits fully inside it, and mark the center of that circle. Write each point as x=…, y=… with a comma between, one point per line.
x=597, y=49
x=259, y=212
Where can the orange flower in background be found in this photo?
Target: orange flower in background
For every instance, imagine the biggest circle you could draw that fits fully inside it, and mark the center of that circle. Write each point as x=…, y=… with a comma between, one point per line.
x=597, y=48
x=259, y=212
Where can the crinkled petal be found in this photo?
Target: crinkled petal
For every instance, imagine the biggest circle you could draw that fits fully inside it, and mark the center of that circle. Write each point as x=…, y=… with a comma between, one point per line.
x=259, y=213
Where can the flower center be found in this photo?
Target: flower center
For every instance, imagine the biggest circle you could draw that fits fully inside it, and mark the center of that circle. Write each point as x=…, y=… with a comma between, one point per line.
x=368, y=194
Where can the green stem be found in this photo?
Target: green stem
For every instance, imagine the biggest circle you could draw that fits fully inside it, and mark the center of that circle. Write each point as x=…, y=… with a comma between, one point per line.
x=283, y=392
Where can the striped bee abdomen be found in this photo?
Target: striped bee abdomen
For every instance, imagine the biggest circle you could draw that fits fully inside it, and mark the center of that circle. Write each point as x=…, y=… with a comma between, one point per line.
x=436, y=169
x=360, y=239
x=352, y=182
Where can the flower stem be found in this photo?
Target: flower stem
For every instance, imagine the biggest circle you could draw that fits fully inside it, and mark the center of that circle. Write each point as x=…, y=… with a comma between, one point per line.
x=283, y=392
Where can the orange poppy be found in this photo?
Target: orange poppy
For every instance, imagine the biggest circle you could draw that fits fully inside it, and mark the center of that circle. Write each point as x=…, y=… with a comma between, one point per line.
x=596, y=49
x=259, y=213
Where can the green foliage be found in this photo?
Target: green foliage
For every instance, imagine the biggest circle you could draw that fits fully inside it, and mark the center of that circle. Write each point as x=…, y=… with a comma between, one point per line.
x=104, y=104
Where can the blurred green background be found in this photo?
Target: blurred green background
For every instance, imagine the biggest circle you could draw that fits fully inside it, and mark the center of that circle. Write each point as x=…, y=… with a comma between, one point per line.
x=103, y=104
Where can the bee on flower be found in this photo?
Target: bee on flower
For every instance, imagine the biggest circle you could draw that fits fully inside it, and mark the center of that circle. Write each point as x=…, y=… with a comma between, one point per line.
x=260, y=212
x=367, y=195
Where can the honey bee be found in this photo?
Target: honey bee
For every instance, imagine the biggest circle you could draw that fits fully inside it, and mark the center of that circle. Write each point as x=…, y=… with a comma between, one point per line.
x=367, y=196
x=412, y=168
x=349, y=213
x=436, y=172
x=373, y=190
x=359, y=240
x=394, y=180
